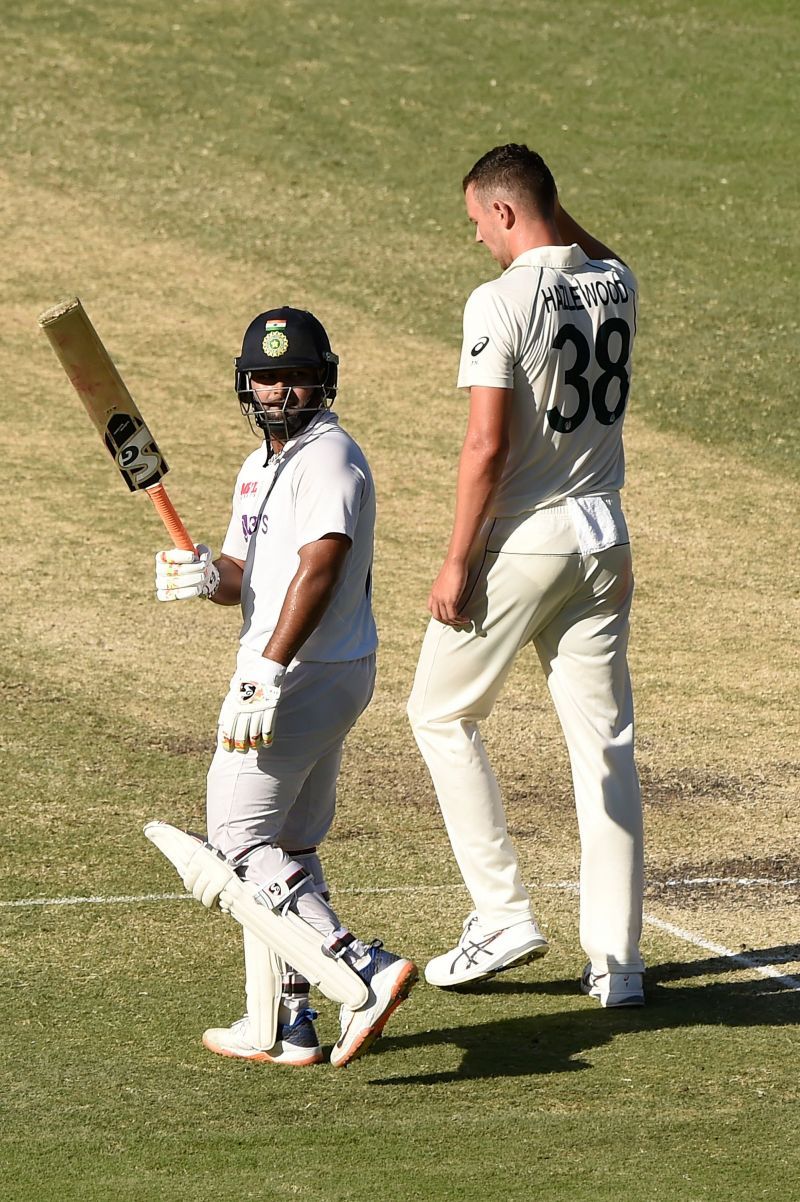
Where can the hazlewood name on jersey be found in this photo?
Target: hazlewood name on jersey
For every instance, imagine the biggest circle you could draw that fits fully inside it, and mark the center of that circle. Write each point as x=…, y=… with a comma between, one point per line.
x=584, y=295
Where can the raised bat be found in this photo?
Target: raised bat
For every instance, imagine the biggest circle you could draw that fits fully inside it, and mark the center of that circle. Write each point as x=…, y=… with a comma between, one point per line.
x=113, y=410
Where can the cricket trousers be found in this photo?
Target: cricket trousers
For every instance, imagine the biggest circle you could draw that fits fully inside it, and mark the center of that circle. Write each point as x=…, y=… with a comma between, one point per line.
x=280, y=801
x=531, y=583
x=283, y=797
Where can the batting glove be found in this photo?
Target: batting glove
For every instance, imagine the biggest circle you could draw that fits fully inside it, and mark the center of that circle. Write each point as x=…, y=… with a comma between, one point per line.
x=206, y=879
x=247, y=718
x=184, y=574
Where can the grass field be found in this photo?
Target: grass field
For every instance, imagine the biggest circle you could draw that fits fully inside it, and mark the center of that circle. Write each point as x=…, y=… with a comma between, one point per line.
x=181, y=169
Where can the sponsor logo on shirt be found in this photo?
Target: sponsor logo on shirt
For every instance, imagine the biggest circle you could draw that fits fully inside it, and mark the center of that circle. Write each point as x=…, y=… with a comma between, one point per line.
x=479, y=346
x=250, y=525
x=249, y=486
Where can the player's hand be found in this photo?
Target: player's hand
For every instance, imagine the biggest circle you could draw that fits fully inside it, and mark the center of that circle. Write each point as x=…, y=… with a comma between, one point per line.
x=184, y=574
x=247, y=718
x=448, y=589
x=205, y=879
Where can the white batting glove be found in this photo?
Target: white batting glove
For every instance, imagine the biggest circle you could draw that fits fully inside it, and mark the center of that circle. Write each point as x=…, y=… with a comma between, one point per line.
x=206, y=880
x=184, y=574
x=247, y=718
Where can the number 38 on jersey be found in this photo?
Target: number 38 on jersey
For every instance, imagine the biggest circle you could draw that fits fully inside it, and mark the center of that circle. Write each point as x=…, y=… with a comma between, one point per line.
x=597, y=374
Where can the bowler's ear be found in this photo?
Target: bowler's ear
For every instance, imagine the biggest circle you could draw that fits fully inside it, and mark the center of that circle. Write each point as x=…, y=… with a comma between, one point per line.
x=504, y=212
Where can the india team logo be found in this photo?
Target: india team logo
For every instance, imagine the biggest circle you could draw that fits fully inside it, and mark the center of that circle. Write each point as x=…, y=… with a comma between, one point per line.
x=275, y=342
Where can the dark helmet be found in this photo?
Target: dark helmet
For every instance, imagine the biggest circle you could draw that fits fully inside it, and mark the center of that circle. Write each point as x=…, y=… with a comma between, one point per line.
x=285, y=338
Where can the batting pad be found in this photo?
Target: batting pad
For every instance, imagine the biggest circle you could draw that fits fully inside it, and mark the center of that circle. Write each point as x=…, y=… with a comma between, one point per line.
x=263, y=981
x=286, y=934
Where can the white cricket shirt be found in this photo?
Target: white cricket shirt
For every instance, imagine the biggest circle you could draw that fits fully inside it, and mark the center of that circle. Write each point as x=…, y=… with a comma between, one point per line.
x=558, y=329
x=320, y=484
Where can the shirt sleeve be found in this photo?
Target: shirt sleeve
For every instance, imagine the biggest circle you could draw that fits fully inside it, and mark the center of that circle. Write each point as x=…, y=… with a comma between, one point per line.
x=236, y=538
x=489, y=349
x=329, y=493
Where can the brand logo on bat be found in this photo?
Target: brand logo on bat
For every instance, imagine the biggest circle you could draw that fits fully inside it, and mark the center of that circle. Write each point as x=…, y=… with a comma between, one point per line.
x=134, y=450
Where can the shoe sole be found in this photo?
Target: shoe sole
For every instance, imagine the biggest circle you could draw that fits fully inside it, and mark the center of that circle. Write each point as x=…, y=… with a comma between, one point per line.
x=533, y=953
x=402, y=987
x=635, y=999
x=613, y=1002
x=260, y=1057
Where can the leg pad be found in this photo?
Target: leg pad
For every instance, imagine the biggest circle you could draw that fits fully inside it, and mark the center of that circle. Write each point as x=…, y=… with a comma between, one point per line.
x=286, y=934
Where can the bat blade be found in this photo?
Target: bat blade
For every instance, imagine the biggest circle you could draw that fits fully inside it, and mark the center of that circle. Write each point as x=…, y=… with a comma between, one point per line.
x=111, y=407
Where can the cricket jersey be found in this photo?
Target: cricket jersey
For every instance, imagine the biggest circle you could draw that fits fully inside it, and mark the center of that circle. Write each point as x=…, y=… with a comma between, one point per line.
x=319, y=484
x=557, y=328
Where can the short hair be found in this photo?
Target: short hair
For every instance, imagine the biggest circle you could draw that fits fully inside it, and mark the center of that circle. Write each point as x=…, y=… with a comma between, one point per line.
x=515, y=169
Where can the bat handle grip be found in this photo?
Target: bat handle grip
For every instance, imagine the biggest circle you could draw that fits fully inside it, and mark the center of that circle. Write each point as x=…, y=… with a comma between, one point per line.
x=166, y=511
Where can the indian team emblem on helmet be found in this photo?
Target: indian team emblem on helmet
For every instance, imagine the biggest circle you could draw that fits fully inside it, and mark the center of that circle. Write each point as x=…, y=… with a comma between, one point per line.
x=275, y=341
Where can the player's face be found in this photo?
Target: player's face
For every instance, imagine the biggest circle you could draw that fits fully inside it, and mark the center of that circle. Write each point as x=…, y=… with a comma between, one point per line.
x=272, y=387
x=489, y=227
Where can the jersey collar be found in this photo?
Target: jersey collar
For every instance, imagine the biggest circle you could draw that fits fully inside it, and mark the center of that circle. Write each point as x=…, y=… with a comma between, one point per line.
x=318, y=423
x=550, y=256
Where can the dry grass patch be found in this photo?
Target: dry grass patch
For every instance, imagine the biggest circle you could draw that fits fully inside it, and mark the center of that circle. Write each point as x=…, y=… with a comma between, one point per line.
x=715, y=617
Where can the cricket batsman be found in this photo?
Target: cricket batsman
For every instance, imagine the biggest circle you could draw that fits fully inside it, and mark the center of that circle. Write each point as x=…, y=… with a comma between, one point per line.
x=297, y=558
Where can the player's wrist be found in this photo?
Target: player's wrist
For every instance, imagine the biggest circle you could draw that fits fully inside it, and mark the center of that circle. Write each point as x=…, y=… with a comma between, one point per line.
x=269, y=672
x=456, y=561
x=211, y=582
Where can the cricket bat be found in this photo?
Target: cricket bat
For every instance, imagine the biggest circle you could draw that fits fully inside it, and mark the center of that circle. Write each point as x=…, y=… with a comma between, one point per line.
x=111, y=407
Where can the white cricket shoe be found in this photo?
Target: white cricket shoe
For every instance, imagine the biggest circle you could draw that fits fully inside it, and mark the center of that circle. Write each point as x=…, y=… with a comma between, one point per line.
x=481, y=954
x=297, y=1042
x=390, y=979
x=613, y=988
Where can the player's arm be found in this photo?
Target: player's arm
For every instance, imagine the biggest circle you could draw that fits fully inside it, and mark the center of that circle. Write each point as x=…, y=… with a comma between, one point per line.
x=231, y=572
x=308, y=596
x=572, y=232
x=480, y=466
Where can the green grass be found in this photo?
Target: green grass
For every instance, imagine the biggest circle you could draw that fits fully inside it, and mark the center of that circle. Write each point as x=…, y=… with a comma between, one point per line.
x=516, y=1091
x=331, y=147
x=180, y=170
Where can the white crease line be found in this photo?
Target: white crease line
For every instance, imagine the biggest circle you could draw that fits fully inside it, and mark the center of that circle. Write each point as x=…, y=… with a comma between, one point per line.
x=569, y=886
x=20, y=903
x=765, y=970
x=738, y=957
x=747, y=881
x=131, y=898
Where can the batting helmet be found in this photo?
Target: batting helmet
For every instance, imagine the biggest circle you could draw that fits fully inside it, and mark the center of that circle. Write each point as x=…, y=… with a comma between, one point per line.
x=291, y=338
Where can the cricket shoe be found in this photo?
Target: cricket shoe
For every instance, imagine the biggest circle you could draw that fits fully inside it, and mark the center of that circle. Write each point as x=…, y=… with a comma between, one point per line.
x=613, y=988
x=296, y=1044
x=481, y=954
x=389, y=979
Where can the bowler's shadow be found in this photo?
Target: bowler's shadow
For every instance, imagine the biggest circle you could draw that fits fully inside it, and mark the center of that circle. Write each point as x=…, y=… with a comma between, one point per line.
x=553, y=1043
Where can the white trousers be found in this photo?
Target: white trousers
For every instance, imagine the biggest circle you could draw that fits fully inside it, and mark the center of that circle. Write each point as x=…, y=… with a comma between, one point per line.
x=283, y=797
x=531, y=584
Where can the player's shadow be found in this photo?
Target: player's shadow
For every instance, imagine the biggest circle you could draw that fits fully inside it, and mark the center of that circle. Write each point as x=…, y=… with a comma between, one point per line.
x=553, y=1042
